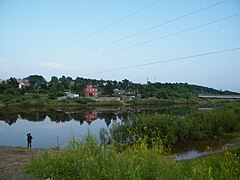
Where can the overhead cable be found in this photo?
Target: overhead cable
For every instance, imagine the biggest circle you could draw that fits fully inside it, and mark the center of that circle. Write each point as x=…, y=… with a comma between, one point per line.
x=158, y=38
x=145, y=30
x=166, y=60
x=104, y=28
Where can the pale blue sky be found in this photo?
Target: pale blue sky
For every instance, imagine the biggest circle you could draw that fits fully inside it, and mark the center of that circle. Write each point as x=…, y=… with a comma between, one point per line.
x=78, y=38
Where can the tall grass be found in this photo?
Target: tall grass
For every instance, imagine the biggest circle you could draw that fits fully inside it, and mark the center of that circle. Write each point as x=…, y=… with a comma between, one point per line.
x=172, y=129
x=89, y=160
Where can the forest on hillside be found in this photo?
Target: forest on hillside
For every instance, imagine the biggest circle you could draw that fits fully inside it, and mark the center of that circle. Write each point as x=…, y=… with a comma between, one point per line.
x=57, y=86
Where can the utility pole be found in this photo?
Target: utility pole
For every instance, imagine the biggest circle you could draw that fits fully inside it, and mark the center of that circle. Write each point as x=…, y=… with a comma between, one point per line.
x=70, y=86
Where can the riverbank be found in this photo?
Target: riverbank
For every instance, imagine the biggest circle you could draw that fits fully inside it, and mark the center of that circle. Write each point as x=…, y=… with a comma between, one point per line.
x=13, y=160
x=224, y=149
x=91, y=161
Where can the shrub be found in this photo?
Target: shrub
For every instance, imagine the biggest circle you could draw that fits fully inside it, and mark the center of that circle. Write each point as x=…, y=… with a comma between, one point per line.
x=172, y=129
x=88, y=160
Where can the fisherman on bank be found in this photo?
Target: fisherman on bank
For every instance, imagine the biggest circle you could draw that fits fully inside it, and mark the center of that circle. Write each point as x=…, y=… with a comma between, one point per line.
x=29, y=140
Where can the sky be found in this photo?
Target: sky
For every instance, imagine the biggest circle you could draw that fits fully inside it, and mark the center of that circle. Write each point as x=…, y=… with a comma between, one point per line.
x=197, y=42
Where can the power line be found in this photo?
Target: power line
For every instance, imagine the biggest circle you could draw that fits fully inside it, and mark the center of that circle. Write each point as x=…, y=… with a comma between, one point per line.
x=145, y=30
x=105, y=27
x=122, y=9
x=166, y=60
x=158, y=38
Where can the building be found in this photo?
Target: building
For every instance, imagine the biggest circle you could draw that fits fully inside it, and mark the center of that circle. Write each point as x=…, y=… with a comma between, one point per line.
x=71, y=95
x=67, y=95
x=91, y=91
x=23, y=83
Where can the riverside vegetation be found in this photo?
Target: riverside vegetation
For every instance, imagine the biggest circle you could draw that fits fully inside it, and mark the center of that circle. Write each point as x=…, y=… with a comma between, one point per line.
x=146, y=157
x=136, y=148
x=38, y=92
x=171, y=129
x=88, y=160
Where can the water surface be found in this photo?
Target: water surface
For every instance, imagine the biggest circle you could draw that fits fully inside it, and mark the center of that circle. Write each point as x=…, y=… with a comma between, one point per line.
x=48, y=126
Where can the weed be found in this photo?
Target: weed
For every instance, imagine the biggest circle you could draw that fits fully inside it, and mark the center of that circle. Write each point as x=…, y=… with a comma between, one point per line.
x=89, y=160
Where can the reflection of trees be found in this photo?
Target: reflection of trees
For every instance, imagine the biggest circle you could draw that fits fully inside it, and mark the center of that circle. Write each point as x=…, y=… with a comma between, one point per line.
x=9, y=118
x=59, y=116
x=33, y=115
x=173, y=110
x=107, y=116
x=11, y=115
x=63, y=116
x=123, y=116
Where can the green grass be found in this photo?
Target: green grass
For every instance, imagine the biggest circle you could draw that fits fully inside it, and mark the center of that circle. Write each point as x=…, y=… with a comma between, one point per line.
x=224, y=166
x=236, y=151
x=89, y=160
x=173, y=129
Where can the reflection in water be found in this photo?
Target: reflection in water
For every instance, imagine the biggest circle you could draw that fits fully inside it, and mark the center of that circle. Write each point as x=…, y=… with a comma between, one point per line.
x=91, y=116
x=188, y=155
x=10, y=116
x=48, y=124
x=194, y=149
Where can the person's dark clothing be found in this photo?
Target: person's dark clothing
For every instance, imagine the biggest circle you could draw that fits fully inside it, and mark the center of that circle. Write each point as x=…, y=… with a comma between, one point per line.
x=29, y=140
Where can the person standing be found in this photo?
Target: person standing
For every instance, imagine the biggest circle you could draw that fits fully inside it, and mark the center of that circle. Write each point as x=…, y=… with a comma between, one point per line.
x=29, y=140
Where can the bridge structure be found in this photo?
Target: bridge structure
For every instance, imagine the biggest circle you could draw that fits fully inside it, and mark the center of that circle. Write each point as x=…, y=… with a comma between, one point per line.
x=215, y=96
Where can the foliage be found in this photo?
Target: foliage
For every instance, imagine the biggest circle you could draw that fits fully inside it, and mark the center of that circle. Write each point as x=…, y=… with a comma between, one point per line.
x=88, y=160
x=163, y=102
x=56, y=85
x=107, y=103
x=172, y=128
x=225, y=166
x=236, y=151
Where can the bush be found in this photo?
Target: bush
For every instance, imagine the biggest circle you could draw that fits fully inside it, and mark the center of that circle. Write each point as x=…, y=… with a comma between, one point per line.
x=172, y=129
x=88, y=160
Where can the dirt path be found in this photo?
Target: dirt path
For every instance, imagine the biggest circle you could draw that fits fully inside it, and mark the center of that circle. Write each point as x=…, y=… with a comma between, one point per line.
x=12, y=161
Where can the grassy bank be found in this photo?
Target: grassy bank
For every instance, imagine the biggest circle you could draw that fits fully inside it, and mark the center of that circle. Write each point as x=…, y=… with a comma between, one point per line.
x=33, y=100
x=43, y=100
x=171, y=129
x=89, y=160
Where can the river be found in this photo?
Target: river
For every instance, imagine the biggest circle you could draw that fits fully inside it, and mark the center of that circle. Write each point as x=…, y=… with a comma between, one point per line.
x=53, y=127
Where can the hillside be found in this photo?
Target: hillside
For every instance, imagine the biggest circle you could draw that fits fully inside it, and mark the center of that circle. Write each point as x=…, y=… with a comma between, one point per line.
x=57, y=86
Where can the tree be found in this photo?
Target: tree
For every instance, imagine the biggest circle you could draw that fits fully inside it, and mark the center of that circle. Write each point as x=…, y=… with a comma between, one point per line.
x=124, y=84
x=108, y=89
x=63, y=81
x=53, y=80
x=36, y=82
x=12, y=83
x=3, y=86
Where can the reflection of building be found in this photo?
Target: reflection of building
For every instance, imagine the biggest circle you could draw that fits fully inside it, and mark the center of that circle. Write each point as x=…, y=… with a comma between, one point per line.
x=91, y=116
x=91, y=90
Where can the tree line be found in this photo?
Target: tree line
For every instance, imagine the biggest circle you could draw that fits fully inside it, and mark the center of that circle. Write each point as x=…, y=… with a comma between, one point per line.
x=57, y=86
